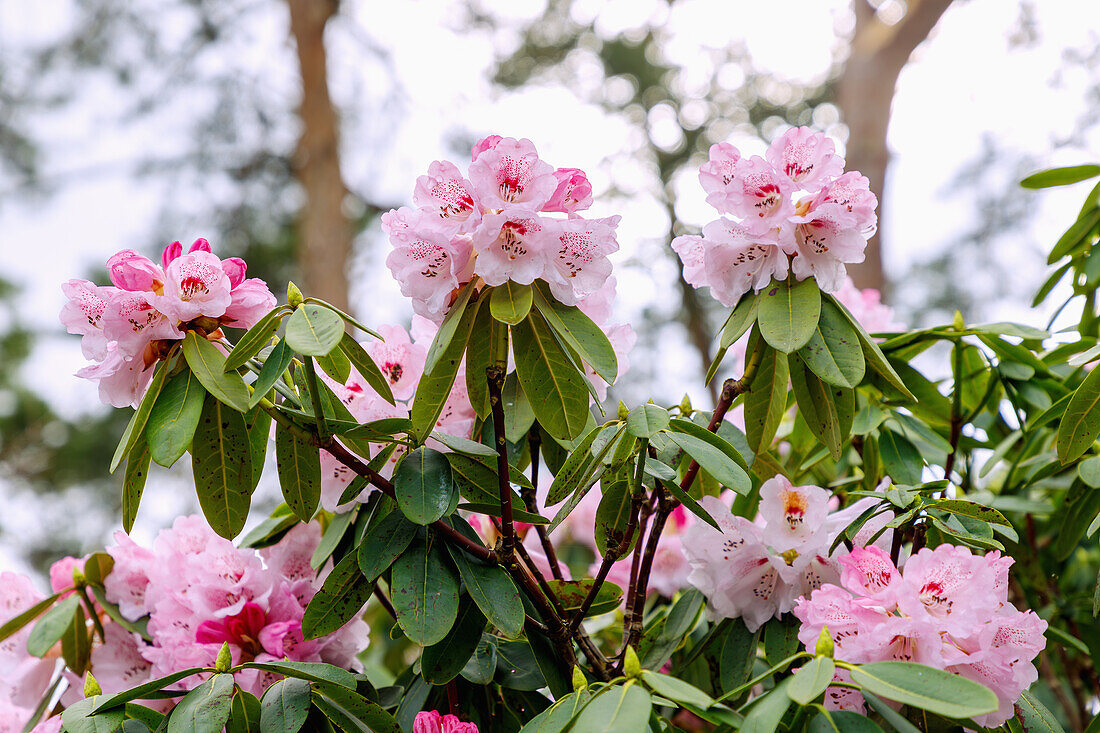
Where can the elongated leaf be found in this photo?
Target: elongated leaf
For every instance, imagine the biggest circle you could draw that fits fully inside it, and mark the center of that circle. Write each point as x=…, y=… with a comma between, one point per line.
x=833, y=352
x=810, y=681
x=712, y=459
x=50, y=628
x=1074, y=236
x=1080, y=424
x=174, y=417
x=926, y=688
x=424, y=486
x=1034, y=717
x=205, y=709
x=299, y=465
x=276, y=363
x=135, y=430
x=580, y=333
x=511, y=302
x=133, y=484
x=493, y=592
x=871, y=351
x=645, y=421
x=740, y=320
x=385, y=540
x=255, y=339
x=285, y=706
x=452, y=324
x=789, y=313
x=434, y=389
x=842, y=721
x=347, y=318
x=222, y=464
x=314, y=330
x=143, y=690
x=971, y=509
x=817, y=406
x=18, y=622
x=737, y=655
x=75, y=644
x=768, y=710
x=766, y=400
x=613, y=518
x=78, y=717
x=244, y=713
x=443, y=661
x=352, y=712
x=336, y=363
x=675, y=689
x=572, y=593
x=424, y=594
x=690, y=503
x=312, y=671
x=616, y=709
x=366, y=367
x=1061, y=176
x=208, y=364
x=341, y=598
x=574, y=467
x=545, y=370
x=900, y=458
x=488, y=342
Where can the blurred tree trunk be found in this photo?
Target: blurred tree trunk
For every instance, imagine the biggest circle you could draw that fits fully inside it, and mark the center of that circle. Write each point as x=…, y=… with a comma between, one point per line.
x=865, y=91
x=325, y=231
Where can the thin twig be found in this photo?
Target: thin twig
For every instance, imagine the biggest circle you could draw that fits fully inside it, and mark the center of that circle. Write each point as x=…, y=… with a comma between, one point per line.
x=494, y=375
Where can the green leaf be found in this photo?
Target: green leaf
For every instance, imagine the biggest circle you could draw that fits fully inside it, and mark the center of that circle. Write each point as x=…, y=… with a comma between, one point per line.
x=768, y=710
x=900, y=458
x=174, y=418
x=350, y=711
x=1034, y=717
x=872, y=353
x=713, y=454
x=1080, y=424
x=244, y=713
x=276, y=363
x=133, y=485
x=1080, y=506
x=613, y=518
x=781, y=638
x=810, y=682
x=645, y=421
x=511, y=302
x=555, y=718
x=299, y=465
x=926, y=688
x=579, y=332
x=312, y=671
x=258, y=423
x=366, y=367
x=18, y=622
x=833, y=352
x=205, y=709
x=341, y=598
x=385, y=540
x=443, y=661
x=424, y=486
x=434, y=389
x=842, y=721
x=50, y=628
x=143, y=690
x=455, y=322
x=255, y=339
x=75, y=645
x=424, y=592
x=80, y=718
x=789, y=313
x=690, y=503
x=492, y=590
x=314, y=330
x=208, y=364
x=616, y=709
x=135, y=430
x=285, y=706
x=488, y=342
x=675, y=689
x=1061, y=176
x=222, y=465
x=482, y=665
x=347, y=318
x=683, y=615
x=740, y=319
x=572, y=593
x=336, y=363
x=738, y=653
x=1074, y=236
x=545, y=370
x=575, y=466
x=1089, y=471
x=817, y=406
x=766, y=400
x=971, y=509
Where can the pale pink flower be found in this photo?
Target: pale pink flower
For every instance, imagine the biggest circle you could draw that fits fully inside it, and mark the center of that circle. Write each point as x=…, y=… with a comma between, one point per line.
x=61, y=574
x=401, y=361
x=486, y=143
x=573, y=194
x=514, y=245
x=794, y=516
x=195, y=285
x=806, y=157
x=759, y=195
x=717, y=176
x=449, y=197
x=852, y=193
x=426, y=264
x=125, y=585
x=869, y=572
x=951, y=585
x=429, y=721
x=117, y=663
x=867, y=307
x=250, y=301
x=821, y=243
x=133, y=322
x=122, y=381
x=580, y=266
x=692, y=250
x=23, y=678
x=738, y=261
x=83, y=314
x=510, y=174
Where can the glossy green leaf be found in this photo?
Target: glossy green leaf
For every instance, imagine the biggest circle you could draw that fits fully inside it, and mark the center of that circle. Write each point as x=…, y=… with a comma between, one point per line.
x=817, y=406
x=205, y=709
x=143, y=690
x=901, y=460
x=341, y=598
x=580, y=333
x=50, y=628
x=452, y=324
x=244, y=713
x=572, y=593
x=222, y=465
x=766, y=400
x=833, y=352
x=613, y=518
x=443, y=661
x=364, y=364
x=208, y=364
x=645, y=421
x=133, y=484
x=312, y=671
x=510, y=302
x=545, y=370
x=927, y=688
x=385, y=540
x=135, y=429
x=789, y=313
x=254, y=339
x=873, y=355
x=1034, y=717
x=285, y=706
x=1074, y=236
x=434, y=389
x=616, y=709
x=675, y=689
x=810, y=682
x=79, y=717
x=971, y=509
x=1061, y=176
x=768, y=710
x=781, y=639
x=575, y=466
x=424, y=486
x=714, y=460
x=492, y=590
x=737, y=655
x=424, y=591
x=740, y=320
x=842, y=721
x=275, y=364
x=481, y=666
x=314, y=330
x=336, y=363
x=299, y=465
x=76, y=647
x=488, y=343
x=351, y=712
x=174, y=417
x=1080, y=424
x=690, y=503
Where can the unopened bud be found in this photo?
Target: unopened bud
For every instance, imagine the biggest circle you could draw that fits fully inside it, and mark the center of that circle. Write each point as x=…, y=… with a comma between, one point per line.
x=225, y=659
x=685, y=406
x=959, y=323
x=579, y=680
x=824, y=647
x=631, y=666
x=293, y=295
x=91, y=687
x=79, y=580
x=623, y=410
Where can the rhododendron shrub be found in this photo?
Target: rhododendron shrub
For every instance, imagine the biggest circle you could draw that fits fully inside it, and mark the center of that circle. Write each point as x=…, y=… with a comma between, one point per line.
x=471, y=539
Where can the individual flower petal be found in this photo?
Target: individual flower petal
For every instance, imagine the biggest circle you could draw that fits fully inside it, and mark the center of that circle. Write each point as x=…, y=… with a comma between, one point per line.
x=133, y=322
x=822, y=243
x=486, y=143
x=757, y=194
x=737, y=261
x=869, y=572
x=852, y=193
x=426, y=264
x=718, y=174
x=445, y=194
x=250, y=301
x=83, y=314
x=806, y=157
x=132, y=271
x=580, y=265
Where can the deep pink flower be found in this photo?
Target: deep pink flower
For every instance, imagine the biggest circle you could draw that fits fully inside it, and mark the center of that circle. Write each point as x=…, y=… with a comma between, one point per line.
x=573, y=194
x=61, y=574
x=195, y=285
x=486, y=143
x=135, y=272
x=429, y=721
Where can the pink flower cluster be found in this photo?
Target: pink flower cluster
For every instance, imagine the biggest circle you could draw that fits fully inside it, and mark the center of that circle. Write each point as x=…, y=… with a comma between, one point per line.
x=24, y=679
x=198, y=591
x=771, y=232
x=429, y=721
x=758, y=570
x=128, y=326
x=947, y=608
x=492, y=225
